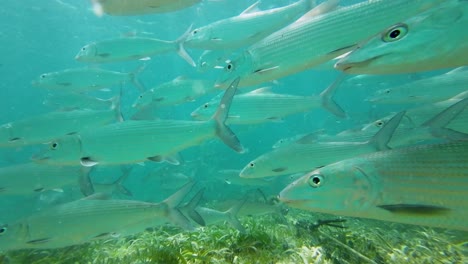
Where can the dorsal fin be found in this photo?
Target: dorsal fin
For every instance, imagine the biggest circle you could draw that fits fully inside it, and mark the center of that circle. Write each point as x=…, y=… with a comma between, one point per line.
x=251, y=9
x=262, y=90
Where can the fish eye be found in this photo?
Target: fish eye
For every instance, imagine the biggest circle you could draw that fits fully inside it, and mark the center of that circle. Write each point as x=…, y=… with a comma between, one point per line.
x=83, y=49
x=205, y=106
x=379, y=123
x=141, y=96
x=3, y=230
x=395, y=33
x=43, y=76
x=54, y=145
x=315, y=180
x=195, y=32
x=251, y=164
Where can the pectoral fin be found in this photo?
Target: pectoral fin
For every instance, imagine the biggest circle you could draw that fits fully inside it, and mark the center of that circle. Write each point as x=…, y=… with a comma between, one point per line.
x=39, y=241
x=415, y=209
x=88, y=162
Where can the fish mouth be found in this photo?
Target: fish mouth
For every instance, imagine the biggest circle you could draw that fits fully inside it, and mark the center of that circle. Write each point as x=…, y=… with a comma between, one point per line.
x=347, y=66
x=39, y=158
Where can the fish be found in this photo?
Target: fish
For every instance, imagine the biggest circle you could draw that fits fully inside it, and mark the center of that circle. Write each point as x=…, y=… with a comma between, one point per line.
x=262, y=105
x=316, y=39
x=77, y=101
x=134, y=48
x=420, y=185
x=49, y=126
x=177, y=91
x=425, y=90
x=142, y=7
x=86, y=79
x=32, y=178
x=433, y=40
x=137, y=141
x=89, y=219
x=303, y=156
x=247, y=28
x=212, y=59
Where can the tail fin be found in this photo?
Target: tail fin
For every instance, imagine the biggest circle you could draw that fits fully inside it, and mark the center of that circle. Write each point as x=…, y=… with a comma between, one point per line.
x=223, y=131
x=189, y=208
x=437, y=124
x=134, y=78
x=116, y=105
x=86, y=185
x=174, y=201
x=181, y=50
x=380, y=139
x=126, y=170
x=327, y=97
x=232, y=216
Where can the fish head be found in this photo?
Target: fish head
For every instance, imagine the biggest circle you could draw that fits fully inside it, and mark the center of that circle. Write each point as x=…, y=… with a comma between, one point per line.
x=332, y=189
x=13, y=236
x=44, y=79
x=87, y=53
x=211, y=59
x=264, y=166
x=239, y=67
x=199, y=37
x=143, y=100
x=62, y=151
x=204, y=112
x=415, y=45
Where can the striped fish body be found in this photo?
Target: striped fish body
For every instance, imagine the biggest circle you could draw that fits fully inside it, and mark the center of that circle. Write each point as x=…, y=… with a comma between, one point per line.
x=313, y=41
x=422, y=185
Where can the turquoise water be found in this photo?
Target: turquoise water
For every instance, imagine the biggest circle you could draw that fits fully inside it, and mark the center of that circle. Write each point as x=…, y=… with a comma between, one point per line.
x=41, y=37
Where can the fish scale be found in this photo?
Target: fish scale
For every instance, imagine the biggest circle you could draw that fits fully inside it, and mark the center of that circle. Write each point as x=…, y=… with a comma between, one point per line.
x=310, y=42
x=423, y=185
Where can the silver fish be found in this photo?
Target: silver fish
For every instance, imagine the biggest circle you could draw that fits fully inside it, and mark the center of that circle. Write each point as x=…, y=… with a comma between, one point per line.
x=75, y=101
x=136, y=141
x=141, y=7
x=422, y=185
x=434, y=40
x=247, y=28
x=89, y=219
x=128, y=49
x=312, y=41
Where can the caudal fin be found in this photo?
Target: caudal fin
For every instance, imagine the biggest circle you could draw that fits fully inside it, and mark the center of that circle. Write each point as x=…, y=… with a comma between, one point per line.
x=173, y=203
x=222, y=130
x=181, y=50
x=232, y=216
x=134, y=78
x=327, y=98
x=189, y=208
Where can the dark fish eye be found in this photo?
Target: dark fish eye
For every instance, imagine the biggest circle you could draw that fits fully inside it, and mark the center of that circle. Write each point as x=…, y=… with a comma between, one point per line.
x=229, y=66
x=315, y=180
x=395, y=33
x=83, y=49
x=195, y=32
x=252, y=165
x=3, y=230
x=379, y=123
x=205, y=105
x=43, y=76
x=141, y=96
x=53, y=145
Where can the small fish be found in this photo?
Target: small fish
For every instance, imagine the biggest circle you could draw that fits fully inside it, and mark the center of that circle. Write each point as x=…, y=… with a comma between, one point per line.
x=86, y=79
x=317, y=39
x=76, y=101
x=421, y=185
x=47, y=127
x=177, y=91
x=89, y=219
x=141, y=7
x=434, y=40
x=32, y=178
x=427, y=90
x=134, y=48
x=304, y=155
x=247, y=28
x=137, y=141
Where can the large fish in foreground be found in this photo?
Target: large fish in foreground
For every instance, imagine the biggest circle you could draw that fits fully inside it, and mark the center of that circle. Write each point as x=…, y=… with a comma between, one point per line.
x=247, y=28
x=434, y=40
x=422, y=185
x=136, y=141
x=127, y=49
x=317, y=39
x=90, y=219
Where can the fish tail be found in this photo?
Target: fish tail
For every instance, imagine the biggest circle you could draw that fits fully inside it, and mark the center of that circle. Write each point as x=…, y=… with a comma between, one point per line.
x=232, y=216
x=174, y=201
x=222, y=130
x=437, y=123
x=190, y=208
x=116, y=105
x=327, y=98
x=126, y=170
x=384, y=135
x=181, y=49
x=134, y=78
x=86, y=185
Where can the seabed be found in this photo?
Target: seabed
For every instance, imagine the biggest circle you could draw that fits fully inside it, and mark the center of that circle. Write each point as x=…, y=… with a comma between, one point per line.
x=269, y=239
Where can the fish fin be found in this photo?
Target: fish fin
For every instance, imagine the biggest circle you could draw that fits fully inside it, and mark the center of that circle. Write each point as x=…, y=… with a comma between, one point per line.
x=342, y=50
x=437, y=124
x=126, y=170
x=458, y=70
x=281, y=169
x=134, y=78
x=88, y=162
x=174, y=201
x=39, y=241
x=97, y=196
x=116, y=106
x=262, y=90
x=261, y=71
x=222, y=113
x=384, y=135
x=169, y=159
x=327, y=97
x=232, y=216
x=180, y=47
x=14, y=139
x=251, y=9
x=415, y=209
x=86, y=185
x=190, y=208
x=321, y=9
x=311, y=137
